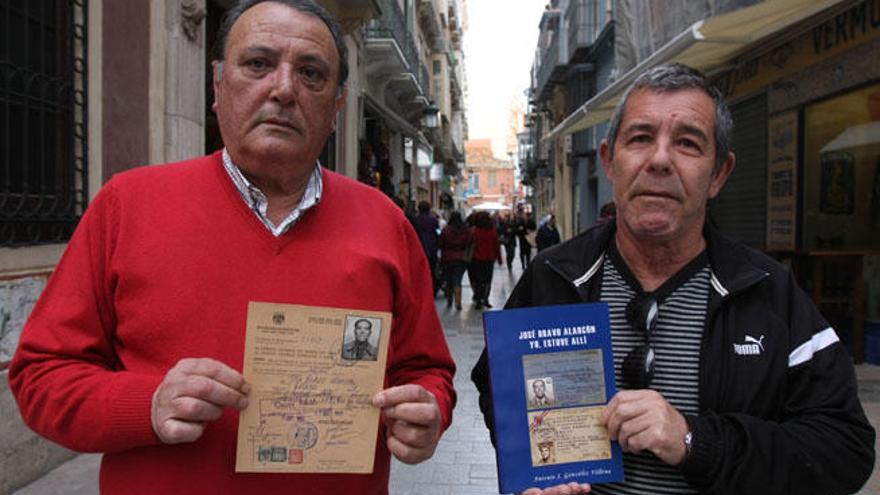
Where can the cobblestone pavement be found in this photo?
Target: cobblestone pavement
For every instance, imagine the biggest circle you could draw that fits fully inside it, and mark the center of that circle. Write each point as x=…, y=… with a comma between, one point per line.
x=464, y=463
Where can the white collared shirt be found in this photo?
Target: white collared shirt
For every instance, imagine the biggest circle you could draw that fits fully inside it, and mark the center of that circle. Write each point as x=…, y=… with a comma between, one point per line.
x=257, y=202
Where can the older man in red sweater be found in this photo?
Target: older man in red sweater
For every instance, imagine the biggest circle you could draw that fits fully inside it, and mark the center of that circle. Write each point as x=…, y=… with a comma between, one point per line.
x=136, y=346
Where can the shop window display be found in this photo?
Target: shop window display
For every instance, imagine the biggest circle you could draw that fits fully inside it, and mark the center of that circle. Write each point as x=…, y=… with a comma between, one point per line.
x=842, y=173
x=841, y=200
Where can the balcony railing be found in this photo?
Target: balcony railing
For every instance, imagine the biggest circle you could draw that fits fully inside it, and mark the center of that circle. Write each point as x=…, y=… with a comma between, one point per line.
x=392, y=25
x=585, y=20
x=550, y=60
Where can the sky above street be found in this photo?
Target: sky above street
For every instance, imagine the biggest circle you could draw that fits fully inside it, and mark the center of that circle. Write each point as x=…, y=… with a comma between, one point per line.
x=499, y=48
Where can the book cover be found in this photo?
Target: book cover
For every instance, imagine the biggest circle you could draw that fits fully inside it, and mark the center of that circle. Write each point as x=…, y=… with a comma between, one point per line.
x=551, y=372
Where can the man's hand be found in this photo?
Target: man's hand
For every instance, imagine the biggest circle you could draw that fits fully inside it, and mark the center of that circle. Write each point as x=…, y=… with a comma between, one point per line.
x=194, y=392
x=567, y=489
x=412, y=421
x=644, y=420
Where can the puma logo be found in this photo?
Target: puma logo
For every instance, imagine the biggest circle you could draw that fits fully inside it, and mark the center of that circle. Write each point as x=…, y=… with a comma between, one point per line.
x=750, y=347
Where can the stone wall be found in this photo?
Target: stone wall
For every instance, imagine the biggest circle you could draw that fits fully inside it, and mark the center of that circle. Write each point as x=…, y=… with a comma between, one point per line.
x=17, y=299
x=24, y=456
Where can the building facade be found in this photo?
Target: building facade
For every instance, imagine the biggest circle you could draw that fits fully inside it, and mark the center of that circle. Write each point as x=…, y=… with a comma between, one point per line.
x=488, y=181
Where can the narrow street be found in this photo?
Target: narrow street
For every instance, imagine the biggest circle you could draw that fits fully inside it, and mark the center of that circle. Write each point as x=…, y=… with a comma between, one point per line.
x=464, y=463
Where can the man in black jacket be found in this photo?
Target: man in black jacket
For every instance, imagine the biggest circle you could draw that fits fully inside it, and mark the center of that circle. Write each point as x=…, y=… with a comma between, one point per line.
x=729, y=379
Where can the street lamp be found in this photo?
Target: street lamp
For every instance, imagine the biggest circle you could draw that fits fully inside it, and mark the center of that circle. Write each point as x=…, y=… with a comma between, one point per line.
x=431, y=116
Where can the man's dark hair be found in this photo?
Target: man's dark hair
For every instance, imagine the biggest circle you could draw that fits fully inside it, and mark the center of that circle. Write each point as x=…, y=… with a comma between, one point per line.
x=304, y=6
x=363, y=320
x=677, y=77
x=455, y=221
x=424, y=207
x=483, y=220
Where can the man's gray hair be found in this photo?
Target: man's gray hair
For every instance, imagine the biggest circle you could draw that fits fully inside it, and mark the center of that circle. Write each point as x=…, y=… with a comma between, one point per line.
x=304, y=6
x=677, y=77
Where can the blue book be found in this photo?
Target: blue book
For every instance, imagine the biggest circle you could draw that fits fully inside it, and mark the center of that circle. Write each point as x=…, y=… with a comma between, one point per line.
x=551, y=372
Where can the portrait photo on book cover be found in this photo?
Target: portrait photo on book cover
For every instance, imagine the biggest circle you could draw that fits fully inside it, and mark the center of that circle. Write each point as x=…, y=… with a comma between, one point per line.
x=360, y=341
x=540, y=392
x=545, y=455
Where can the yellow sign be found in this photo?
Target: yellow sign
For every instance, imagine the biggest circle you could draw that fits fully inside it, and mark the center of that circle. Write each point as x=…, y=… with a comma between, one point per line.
x=852, y=27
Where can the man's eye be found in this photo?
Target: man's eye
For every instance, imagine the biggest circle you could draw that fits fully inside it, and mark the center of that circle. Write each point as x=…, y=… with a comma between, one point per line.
x=689, y=143
x=311, y=74
x=257, y=64
x=639, y=138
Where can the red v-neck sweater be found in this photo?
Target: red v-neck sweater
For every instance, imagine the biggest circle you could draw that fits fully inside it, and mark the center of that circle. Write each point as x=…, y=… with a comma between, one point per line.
x=161, y=268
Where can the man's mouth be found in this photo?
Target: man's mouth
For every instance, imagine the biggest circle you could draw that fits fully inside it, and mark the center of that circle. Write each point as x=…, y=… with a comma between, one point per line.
x=656, y=194
x=281, y=123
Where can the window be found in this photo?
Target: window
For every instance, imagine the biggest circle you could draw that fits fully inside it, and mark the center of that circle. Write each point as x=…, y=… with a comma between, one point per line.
x=437, y=67
x=841, y=200
x=43, y=182
x=493, y=178
x=474, y=182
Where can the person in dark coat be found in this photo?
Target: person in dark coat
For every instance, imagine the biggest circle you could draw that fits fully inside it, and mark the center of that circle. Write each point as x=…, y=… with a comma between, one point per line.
x=507, y=237
x=548, y=234
x=525, y=225
x=427, y=227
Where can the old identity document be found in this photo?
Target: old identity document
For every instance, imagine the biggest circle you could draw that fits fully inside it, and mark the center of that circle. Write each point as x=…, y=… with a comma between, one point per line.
x=313, y=372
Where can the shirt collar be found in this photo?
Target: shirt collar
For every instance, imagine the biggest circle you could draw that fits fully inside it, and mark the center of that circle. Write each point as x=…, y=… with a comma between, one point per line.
x=257, y=202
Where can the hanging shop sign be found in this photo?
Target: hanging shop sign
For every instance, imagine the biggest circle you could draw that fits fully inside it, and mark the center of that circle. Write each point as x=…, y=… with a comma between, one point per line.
x=436, y=172
x=857, y=24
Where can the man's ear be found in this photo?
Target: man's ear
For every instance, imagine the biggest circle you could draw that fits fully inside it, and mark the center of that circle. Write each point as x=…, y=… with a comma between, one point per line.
x=719, y=176
x=605, y=155
x=341, y=96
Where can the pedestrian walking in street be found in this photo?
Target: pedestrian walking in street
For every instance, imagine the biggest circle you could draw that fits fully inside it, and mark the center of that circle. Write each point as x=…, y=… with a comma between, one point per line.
x=729, y=379
x=525, y=232
x=454, y=242
x=428, y=228
x=507, y=237
x=548, y=234
x=487, y=250
x=136, y=346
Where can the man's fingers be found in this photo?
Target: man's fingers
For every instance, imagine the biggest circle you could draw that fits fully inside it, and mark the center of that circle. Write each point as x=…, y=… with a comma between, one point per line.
x=210, y=390
x=211, y=368
x=190, y=409
x=173, y=431
x=402, y=393
x=410, y=434
x=567, y=489
x=417, y=413
x=407, y=453
x=192, y=393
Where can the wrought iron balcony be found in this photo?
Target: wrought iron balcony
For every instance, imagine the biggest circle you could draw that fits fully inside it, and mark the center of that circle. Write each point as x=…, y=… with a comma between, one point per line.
x=552, y=60
x=391, y=27
x=585, y=20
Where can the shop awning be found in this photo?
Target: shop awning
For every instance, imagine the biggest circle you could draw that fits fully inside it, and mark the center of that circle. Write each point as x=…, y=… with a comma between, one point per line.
x=490, y=206
x=395, y=121
x=706, y=45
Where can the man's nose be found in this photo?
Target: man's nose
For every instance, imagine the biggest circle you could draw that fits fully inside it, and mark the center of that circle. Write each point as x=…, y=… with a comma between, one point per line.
x=660, y=161
x=284, y=85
